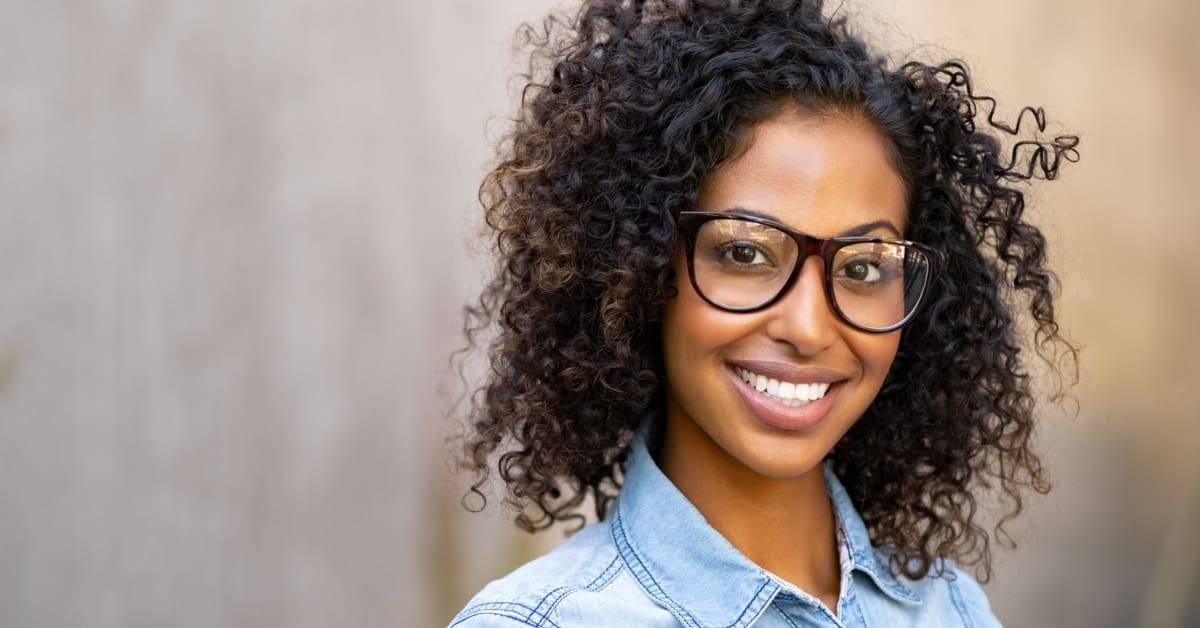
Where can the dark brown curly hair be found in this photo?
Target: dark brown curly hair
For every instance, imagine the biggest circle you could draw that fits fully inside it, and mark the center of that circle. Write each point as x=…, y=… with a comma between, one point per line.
x=629, y=106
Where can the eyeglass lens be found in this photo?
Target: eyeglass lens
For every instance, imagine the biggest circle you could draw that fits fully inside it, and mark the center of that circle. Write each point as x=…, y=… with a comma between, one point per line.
x=741, y=264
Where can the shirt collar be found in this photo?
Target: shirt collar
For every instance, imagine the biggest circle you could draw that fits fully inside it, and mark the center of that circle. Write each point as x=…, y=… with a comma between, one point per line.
x=858, y=543
x=677, y=557
x=693, y=570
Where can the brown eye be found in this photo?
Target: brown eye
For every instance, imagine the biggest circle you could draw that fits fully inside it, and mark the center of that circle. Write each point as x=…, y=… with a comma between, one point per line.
x=743, y=254
x=864, y=270
x=858, y=270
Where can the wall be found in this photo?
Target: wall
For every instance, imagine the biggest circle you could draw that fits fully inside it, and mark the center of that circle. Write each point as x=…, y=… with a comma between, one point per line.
x=235, y=243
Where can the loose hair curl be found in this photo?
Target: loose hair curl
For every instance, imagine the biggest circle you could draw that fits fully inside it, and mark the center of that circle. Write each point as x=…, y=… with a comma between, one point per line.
x=640, y=100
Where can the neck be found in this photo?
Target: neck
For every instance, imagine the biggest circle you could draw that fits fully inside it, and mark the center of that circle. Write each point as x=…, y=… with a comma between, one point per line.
x=784, y=525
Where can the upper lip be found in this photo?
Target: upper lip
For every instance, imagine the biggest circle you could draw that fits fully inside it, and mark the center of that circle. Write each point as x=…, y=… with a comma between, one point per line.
x=788, y=372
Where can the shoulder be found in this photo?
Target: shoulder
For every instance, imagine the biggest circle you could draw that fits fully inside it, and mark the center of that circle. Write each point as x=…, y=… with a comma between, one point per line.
x=953, y=593
x=968, y=598
x=561, y=583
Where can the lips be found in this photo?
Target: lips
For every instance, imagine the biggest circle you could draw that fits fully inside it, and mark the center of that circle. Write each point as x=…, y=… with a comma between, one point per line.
x=787, y=397
x=791, y=394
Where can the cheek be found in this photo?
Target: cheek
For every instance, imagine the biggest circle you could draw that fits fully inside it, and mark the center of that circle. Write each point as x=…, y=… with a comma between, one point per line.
x=687, y=326
x=692, y=329
x=876, y=352
x=684, y=315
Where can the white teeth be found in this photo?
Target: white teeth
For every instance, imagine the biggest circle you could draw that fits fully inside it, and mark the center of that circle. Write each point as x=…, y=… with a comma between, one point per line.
x=789, y=393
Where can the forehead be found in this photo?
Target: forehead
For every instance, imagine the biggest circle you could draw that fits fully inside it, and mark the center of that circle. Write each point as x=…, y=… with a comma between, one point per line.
x=820, y=173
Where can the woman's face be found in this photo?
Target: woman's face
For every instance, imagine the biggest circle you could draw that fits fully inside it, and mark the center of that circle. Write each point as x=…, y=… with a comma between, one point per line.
x=825, y=176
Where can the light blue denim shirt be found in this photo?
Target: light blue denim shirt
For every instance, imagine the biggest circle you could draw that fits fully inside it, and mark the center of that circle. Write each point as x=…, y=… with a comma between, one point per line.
x=655, y=561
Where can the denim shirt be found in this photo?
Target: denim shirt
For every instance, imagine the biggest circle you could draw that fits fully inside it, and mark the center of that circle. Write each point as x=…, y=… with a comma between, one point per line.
x=655, y=561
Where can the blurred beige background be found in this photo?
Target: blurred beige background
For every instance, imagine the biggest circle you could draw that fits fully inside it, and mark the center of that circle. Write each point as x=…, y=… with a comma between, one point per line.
x=234, y=241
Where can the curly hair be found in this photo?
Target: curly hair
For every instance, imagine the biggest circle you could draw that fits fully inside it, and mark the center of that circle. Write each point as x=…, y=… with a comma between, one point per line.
x=638, y=101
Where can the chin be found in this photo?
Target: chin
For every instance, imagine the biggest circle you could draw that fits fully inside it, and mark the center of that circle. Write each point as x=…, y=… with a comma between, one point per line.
x=780, y=460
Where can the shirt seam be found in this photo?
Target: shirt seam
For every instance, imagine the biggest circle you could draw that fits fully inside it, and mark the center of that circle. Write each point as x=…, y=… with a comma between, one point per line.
x=536, y=616
x=639, y=571
x=606, y=577
x=785, y=617
x=507, y=610
x=553, y=598
x=556, y=597
x=862, y=552
x=753, y=609
x=852, y=605
x=959, y=603
x=742, y=619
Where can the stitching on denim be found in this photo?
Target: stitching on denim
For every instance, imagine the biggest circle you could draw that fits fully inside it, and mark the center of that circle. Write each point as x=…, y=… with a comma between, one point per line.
x=606, y=577
x=503, y=609
x=747, y=618
x=639, y=570
x=552, y=598
x=959, y=604
x=556, y=597
x=852, y=603
x=785, y=617
x=889, y=583
x=863, y=555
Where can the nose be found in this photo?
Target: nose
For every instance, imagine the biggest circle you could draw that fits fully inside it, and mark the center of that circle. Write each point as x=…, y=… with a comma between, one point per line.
x=803, y=317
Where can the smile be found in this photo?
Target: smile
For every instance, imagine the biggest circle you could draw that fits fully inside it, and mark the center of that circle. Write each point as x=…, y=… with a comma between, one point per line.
x=791, y=394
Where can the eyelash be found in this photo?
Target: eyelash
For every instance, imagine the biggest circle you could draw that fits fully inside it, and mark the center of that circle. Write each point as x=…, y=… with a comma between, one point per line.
x=721, y=253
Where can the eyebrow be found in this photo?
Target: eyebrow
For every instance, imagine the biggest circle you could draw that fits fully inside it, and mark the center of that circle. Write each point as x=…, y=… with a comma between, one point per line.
x=859, y=230
x=864, y=229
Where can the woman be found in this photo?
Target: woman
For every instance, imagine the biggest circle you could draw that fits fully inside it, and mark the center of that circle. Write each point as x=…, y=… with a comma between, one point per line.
x=758, y=304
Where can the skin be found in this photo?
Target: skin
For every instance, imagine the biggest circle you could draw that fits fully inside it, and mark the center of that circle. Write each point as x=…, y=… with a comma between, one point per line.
x=761, y=485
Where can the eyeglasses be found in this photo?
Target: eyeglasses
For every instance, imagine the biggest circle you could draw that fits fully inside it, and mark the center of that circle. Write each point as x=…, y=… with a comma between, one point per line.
x=743, y=263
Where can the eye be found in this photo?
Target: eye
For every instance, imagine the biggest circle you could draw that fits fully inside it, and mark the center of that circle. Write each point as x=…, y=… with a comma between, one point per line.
x=743, y=254
x=861, y=269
